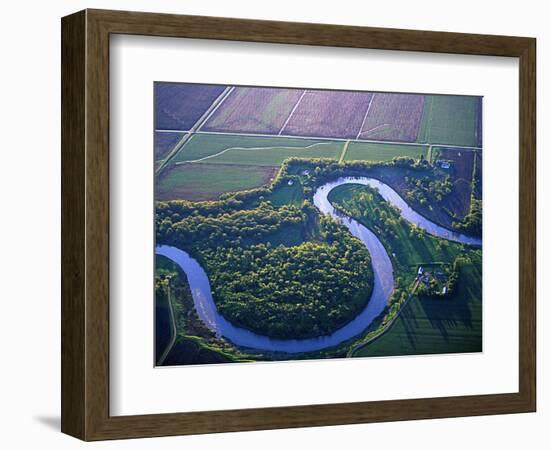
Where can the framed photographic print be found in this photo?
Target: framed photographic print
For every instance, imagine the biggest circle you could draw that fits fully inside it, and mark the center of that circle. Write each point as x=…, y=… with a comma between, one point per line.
x=271, y=224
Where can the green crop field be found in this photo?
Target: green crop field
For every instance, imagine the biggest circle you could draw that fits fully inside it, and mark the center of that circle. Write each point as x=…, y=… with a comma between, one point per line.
x=366, y=151
x=197, y=181
x=288, y=195
x=451, y=120
x=211, y=164
x=447, y=325
x=253, y=150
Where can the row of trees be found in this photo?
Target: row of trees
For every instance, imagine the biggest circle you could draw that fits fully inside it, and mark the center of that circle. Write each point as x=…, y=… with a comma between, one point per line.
x=428, y=190
x=472, y=222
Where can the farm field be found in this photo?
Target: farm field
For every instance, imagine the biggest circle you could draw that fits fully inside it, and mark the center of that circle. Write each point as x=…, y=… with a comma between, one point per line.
x=254, y=110
x=178, y=106
x=393, y=117
x=328, y=114
x=275, y=155
x=198, y=182
x=363, y=151
x=288, y=195
x=428, y=326
x=451, y=120
x=255, y=160
x=253, y=150
x=164, y=143
x=462, y=165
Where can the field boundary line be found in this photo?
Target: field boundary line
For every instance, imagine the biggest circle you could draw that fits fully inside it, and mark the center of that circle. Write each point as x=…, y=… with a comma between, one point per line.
x=212, y=109
x=344, y=151
x=429, y=121
x=196, y=127
x=171, y=131
x=184, y=139
x=173, y=327
x=376, y=127
x=456, y=146
x=292, y=112
x=365, y=116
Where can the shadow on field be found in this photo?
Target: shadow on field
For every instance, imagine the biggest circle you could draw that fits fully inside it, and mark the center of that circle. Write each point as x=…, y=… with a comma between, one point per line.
x=410, y=325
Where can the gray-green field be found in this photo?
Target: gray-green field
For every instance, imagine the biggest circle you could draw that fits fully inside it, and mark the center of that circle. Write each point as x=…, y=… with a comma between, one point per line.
x=199, y=181
x=451, y=120
x=253, y=150
x=368, y=151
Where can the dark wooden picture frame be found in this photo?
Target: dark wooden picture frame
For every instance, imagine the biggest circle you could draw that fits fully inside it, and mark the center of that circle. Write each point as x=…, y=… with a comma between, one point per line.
x=85, y=224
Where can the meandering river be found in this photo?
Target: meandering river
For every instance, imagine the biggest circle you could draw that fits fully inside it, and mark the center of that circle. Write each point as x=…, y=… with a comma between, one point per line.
x=381, y=265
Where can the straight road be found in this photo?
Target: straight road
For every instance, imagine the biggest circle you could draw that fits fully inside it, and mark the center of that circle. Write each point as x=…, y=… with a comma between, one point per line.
x=173, y=329
x=195, y=128
x=344, y=151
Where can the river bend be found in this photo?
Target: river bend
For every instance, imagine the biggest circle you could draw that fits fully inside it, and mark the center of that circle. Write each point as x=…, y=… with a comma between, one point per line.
x=381, y=265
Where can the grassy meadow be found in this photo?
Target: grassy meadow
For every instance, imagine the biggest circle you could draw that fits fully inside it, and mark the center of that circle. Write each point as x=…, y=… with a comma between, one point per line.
x=198, y=182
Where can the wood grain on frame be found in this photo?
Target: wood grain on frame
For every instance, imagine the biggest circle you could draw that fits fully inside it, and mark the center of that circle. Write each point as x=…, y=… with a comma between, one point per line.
x=85, y=224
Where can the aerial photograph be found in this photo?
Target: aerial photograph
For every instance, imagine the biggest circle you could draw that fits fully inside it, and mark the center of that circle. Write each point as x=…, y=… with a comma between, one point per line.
x=303, y=224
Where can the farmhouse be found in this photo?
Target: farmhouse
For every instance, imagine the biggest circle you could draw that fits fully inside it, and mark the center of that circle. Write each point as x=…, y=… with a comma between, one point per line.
x=443, y=164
